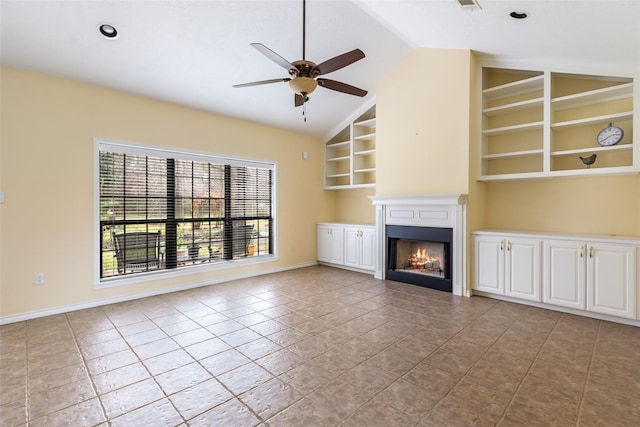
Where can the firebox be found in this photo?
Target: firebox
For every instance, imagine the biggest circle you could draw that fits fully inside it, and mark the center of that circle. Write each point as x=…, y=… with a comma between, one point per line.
x=420, y=256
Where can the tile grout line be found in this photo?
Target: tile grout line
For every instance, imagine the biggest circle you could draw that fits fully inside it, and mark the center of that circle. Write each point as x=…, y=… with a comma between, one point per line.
x=214, y=377
x=515, y=393
x=151, y=376
x=27, y=392
x=586, y=381
x=84, y=363
x=476, y=362
x=421, y=360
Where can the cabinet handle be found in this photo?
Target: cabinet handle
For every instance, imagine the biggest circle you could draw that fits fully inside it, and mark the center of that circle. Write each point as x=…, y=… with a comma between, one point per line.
x=502, y=245
x=508, y=245
x=590, y=251
x=581, y=251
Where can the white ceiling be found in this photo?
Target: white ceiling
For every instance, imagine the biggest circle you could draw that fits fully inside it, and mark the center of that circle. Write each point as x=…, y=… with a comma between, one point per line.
x=191, y=52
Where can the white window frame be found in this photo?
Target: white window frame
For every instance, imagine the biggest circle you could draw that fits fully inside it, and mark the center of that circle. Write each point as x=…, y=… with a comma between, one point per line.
x=102, y=144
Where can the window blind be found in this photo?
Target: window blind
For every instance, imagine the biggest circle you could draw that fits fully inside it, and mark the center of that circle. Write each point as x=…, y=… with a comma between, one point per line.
x=164, y=209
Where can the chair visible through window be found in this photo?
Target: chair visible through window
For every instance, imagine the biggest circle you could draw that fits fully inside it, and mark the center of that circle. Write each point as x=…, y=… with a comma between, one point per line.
x=242, y=235
x=137, y=251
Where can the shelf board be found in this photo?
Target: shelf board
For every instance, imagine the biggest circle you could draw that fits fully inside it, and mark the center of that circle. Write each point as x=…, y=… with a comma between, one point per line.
x=365, y=152
x=515, y=88
x=338, y=175
x=524, y=153
x=511, y=129
x=370, y=123
x=625, y=115
x=349, y=186
x=365, y=137
x=516, y=106
x=367, y=170
x=614, y=170
x=512, y=176
x=592, y=97
x=338, y=159
x=592, y=150
x=338, y=144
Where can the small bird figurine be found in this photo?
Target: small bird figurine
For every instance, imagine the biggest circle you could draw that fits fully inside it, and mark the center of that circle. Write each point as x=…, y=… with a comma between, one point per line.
x=589, y=160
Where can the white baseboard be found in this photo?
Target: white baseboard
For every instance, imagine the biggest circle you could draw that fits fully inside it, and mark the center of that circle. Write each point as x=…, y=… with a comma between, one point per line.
x=97, y=303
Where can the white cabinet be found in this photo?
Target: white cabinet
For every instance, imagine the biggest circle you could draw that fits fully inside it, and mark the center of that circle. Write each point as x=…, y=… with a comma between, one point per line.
x=596, y=276
x=359, y=247
x=611, y=279
x=350, y=154
x=331, y=243
x=507, y=265
x=564, y=277
x=347, y=245
x=488, y=264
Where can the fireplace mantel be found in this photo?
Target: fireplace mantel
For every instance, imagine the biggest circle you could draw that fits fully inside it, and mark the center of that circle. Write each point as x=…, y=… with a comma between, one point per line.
x=429, y=210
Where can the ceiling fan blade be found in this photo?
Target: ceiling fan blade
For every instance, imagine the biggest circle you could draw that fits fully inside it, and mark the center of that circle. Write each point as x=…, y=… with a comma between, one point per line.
x=338, y=62
x=341, y=87
x=299, y=100
x=262, y=82
x=273, y=56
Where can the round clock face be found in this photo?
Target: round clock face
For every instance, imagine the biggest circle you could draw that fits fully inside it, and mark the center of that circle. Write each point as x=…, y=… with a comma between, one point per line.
x=610, y=135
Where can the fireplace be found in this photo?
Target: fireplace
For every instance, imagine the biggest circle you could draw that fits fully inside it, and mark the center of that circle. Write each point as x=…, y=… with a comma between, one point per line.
x=420, y=256
x=412, y=230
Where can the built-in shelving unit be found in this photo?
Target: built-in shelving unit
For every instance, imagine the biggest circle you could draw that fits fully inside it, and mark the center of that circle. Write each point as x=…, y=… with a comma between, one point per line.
x=350, y=155
x=538, y=124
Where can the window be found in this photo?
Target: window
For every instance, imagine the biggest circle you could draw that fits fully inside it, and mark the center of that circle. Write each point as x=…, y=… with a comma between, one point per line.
x=168, y=210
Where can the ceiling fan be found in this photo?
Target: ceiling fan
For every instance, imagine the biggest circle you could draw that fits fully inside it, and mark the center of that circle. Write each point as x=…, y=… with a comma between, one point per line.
x=304, y=74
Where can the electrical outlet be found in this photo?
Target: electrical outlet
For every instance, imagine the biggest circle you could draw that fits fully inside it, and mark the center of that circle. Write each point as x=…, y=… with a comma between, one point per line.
x=39, y=279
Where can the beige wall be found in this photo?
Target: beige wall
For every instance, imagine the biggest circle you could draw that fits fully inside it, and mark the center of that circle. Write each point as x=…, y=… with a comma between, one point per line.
x=355, y=207
x=582, y=205
x=46, y=171
x=422, y=139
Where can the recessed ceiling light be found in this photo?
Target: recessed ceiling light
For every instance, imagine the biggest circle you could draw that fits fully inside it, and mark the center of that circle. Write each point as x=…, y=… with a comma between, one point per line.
x=469, y=4
x=518, y=14
x=109, y=31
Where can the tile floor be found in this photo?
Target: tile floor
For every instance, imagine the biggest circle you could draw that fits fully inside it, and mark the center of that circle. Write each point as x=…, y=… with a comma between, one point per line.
x=318, y=347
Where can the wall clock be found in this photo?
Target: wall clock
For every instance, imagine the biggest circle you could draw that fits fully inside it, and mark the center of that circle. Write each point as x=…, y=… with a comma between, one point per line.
x=610, y=135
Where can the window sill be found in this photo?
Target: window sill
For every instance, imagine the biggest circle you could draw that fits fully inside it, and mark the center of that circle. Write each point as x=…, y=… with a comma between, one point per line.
x=133, y=279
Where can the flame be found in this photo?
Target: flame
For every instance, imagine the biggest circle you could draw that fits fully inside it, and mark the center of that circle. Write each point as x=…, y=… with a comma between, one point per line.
x=423, y=255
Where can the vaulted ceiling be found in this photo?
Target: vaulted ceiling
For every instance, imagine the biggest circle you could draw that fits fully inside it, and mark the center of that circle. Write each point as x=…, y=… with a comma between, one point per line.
x=191, y=53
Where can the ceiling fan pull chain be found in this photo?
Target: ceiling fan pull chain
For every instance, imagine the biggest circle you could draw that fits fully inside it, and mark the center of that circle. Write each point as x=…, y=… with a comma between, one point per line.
x=304, y=111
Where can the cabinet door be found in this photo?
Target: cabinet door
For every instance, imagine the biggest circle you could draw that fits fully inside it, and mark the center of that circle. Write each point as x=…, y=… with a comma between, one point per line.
x=368, y=240
x=337, y=245
x=611, y=283
x=564, y=274
x=324, y=243
x=522, y=269
x=488, y=265
x=351, y=246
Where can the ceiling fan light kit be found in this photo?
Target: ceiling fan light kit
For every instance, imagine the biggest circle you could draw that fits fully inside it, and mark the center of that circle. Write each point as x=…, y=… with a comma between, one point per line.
x=304, y=74
x=303, y=85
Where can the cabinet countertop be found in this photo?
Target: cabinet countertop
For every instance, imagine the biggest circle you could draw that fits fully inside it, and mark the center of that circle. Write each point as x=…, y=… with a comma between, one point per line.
x=567, y=236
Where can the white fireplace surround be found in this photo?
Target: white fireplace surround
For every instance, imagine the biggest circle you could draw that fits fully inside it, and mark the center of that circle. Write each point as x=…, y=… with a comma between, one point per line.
x=430, y=210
